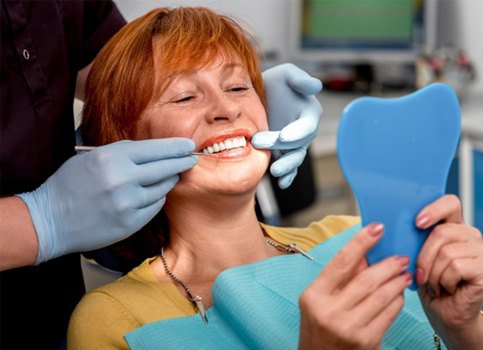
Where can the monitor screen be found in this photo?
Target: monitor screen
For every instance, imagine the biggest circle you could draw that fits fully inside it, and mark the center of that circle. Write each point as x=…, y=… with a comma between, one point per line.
x=362, y=30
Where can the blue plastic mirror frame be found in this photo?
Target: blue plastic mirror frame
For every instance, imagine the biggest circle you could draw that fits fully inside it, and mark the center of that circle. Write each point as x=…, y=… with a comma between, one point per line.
x=395, y=154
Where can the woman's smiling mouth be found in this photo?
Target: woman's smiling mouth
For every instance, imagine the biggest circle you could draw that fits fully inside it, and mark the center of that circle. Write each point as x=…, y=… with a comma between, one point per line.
x=226, y=145
x=229, y=145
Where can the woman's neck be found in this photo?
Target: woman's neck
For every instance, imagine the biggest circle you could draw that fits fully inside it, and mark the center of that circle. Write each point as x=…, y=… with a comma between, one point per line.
x=216, y=234
x=208, y=238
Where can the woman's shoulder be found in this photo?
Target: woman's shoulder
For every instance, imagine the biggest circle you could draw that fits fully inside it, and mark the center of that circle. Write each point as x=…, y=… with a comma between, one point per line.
x=114, y=297
x=102, y=317
x=106, y=313
x=313, y=234
x=136, y=289
x=138, y=295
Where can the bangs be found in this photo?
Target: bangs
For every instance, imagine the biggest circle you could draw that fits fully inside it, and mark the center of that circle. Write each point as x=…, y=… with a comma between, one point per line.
x=188, y=66
x=187, y=39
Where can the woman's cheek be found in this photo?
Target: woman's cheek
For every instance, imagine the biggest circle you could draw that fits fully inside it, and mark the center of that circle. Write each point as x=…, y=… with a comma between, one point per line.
x=263, y=121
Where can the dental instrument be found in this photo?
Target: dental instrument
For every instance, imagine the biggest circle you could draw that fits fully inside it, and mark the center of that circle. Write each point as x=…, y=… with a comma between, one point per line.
x=82, y=149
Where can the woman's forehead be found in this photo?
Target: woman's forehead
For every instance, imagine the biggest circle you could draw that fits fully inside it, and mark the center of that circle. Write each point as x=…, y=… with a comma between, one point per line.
x=215, y=55
x=167, y=72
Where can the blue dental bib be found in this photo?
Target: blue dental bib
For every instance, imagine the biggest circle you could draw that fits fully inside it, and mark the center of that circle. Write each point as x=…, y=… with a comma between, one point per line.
x=256, y=307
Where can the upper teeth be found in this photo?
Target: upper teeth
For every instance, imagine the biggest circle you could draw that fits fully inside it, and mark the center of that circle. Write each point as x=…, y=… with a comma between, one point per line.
x=227, y=144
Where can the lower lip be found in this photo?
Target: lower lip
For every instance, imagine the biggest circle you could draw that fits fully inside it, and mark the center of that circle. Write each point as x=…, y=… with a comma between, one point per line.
x=235, y=153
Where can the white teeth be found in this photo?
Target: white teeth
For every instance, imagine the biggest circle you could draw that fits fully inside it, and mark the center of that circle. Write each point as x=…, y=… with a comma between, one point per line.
x=227, y=144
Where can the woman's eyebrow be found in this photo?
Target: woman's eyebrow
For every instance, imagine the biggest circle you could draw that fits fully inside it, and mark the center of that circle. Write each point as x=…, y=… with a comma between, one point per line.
x=170, y=80
x=232, y=66
x=235, y=68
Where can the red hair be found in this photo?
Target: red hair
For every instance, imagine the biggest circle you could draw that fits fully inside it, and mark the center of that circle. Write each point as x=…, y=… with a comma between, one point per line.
x=121, y=82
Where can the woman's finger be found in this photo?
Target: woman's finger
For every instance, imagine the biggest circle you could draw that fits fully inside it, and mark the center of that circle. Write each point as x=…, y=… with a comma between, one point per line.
x=443, y=234
x=371, y=280
x=462, y=271
x=344, y=265
x=377, y=300
x=446, y=208
x=447, y=260
x=381, y=323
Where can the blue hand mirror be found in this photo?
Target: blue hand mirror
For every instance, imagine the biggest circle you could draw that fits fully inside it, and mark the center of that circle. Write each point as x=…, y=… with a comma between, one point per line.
x=395, y=154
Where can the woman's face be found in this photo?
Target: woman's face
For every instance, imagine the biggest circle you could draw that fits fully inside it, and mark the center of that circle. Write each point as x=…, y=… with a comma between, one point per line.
x=217, y=107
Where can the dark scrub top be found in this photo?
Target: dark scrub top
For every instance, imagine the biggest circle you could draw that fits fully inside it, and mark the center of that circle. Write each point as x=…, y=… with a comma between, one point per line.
x=43, y=46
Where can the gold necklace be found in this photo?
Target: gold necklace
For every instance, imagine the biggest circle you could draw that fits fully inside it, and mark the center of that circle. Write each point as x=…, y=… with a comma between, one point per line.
x=196, y=300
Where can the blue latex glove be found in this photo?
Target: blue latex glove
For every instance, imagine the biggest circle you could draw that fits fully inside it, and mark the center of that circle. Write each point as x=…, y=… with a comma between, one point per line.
x=102, y=196
x=294, y=116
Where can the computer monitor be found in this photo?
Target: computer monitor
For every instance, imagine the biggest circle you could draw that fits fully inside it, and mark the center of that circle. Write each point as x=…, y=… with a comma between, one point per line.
x=362, y=31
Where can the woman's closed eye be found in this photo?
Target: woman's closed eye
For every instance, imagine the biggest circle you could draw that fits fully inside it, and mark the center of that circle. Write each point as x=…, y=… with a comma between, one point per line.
x=238, y=88
x=182, y=99
x=191, y=97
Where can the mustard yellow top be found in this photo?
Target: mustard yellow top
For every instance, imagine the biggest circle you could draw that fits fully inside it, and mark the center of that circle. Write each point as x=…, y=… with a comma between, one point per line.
x=105, y=314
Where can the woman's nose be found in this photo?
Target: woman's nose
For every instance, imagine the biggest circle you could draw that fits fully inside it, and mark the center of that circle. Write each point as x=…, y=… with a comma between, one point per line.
x=222, y=108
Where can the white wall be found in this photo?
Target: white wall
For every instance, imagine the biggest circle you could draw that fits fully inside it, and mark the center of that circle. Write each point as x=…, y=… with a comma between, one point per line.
x=471, y=34
x=265, y=19
x=460, y=25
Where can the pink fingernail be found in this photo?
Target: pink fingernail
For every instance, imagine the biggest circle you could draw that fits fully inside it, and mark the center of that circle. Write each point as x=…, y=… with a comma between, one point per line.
x=419, y=276
x=408, y=277
x=375, y=229
x=422, y=221
x=403, y=261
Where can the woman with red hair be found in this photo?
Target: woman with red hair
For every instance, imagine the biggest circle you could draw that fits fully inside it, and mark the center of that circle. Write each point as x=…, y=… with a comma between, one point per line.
x=192, y=73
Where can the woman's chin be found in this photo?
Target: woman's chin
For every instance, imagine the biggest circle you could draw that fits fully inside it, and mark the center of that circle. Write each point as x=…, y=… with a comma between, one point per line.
x=225, y=177
x=226, y=183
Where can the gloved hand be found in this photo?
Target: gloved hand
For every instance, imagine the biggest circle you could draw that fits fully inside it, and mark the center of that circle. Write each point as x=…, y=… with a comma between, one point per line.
x=294, y=116
x=102, y=196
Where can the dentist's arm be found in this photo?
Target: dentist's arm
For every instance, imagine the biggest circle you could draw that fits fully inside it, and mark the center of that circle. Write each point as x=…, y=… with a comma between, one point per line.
x=18, y=241
x=94, y=199
x=294, y=116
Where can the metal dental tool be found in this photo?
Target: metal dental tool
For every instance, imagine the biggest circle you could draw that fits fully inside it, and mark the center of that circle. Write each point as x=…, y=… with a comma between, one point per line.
x=202, y=154
x=82, y=149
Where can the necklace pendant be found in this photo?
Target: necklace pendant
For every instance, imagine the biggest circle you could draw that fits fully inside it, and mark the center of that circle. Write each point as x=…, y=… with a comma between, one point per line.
x=300, y=250
x=201, y=308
